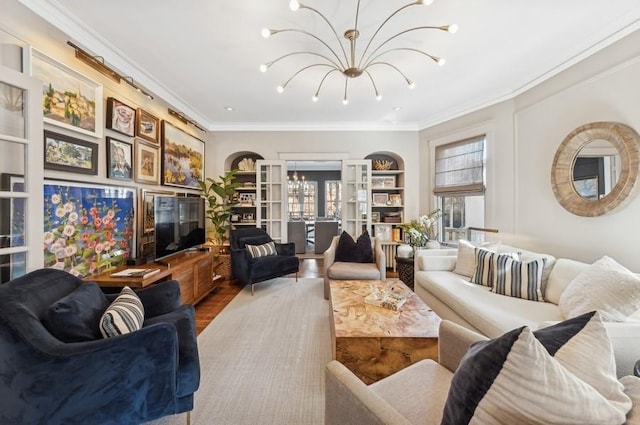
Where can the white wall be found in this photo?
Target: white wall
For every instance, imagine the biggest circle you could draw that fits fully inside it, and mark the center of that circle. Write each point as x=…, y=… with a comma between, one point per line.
x=527, y=132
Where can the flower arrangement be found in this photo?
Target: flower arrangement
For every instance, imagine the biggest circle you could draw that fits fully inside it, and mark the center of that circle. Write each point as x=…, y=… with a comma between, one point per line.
x=419, y=231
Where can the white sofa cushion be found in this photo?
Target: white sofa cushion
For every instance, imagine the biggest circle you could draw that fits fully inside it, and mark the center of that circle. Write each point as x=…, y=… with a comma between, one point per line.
x=466, y=259
x=490, y=313
x=564, y=271
x=606, y=286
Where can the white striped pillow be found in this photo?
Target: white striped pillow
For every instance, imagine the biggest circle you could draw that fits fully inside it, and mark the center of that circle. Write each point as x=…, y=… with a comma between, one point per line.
x=520, y=279
x=483, y=273
x=264, y=250
x=124, y=315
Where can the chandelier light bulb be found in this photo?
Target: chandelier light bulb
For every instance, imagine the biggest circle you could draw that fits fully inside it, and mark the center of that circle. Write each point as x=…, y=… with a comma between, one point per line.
x=453, y=29
x=378, y=97
x=263, y=68
x=266, y=32
x=440, y=61
x=412, y=85
x=280, y=89
x=294, y=5
x=345, y=101
x=314, y=98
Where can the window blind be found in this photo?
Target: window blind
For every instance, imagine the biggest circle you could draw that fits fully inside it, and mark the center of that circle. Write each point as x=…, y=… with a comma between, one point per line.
x=459, y=167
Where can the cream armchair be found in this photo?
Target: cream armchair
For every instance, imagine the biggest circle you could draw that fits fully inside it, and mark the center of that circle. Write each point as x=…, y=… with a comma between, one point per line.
x=337, y=270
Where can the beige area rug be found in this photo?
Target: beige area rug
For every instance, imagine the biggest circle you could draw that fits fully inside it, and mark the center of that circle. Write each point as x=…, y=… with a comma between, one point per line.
x=262, y=358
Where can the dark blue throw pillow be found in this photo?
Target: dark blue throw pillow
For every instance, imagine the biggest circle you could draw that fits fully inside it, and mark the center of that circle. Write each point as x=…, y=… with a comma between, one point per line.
x=350, y=251
x=75, y=318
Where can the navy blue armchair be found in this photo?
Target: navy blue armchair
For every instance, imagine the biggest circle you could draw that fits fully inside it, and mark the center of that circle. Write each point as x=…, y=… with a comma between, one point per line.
x=126, y=379
x=250, y=270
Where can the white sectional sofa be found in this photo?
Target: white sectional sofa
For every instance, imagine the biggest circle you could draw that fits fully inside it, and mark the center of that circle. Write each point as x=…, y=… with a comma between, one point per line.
x=453, y=297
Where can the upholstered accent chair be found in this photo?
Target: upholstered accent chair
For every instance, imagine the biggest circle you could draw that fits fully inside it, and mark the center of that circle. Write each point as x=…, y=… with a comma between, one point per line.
x=349, y=270
x=126, y=379
x=256, y=258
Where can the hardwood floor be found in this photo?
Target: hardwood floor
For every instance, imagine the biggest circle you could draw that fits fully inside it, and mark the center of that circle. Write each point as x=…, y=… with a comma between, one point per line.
x=212, y=304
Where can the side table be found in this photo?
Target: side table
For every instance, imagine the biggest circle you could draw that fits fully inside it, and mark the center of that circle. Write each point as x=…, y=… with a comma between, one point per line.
x=405, y=270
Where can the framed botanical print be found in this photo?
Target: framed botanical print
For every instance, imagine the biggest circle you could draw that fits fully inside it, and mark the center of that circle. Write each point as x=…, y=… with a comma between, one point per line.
x=121, y=117
x=147, y=126
x=69, y=99
x=182, y=158
x=147, y=168
x=66, y=153
x=119, y=159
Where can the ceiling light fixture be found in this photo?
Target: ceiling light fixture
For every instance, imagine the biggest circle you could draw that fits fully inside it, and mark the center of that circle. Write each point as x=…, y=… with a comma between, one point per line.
x=97, y=63
x=346, y=64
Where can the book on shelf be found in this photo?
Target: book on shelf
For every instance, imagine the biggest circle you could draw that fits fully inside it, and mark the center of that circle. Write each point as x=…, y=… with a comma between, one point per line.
x=135, y=273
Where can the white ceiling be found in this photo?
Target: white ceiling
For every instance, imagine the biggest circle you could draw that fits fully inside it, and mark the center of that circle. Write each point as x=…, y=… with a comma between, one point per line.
x=202, y=56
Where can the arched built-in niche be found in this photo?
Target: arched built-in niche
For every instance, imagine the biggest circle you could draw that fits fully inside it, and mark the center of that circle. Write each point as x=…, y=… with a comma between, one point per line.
x=627, y=143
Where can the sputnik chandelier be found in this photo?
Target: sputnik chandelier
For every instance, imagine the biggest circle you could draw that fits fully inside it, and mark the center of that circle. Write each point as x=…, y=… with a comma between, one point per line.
x=347, y=64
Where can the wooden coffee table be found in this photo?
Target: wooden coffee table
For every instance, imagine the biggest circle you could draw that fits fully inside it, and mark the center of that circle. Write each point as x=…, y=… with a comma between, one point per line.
x=374, y=342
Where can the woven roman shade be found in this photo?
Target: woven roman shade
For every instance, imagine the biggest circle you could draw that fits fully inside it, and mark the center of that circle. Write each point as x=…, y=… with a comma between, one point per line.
x=460, y=167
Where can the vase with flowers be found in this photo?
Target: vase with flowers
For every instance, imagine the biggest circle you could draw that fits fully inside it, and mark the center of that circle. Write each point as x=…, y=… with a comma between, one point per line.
x=419, y=232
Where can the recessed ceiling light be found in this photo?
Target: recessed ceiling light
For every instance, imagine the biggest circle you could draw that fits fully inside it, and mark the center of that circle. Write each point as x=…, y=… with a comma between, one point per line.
x=397, y=108
x=228, y=108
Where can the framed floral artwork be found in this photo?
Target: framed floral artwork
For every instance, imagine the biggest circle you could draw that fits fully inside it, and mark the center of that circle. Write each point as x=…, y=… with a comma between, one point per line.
x=66, y=153
x=182, y=157
x=121, y=117
x=69, y=99
x=147, y=126
x=147, y=165
x=88, y=229
x=119, y=159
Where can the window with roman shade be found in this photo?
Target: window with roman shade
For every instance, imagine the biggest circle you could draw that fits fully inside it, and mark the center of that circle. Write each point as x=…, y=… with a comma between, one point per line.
x=459, y=167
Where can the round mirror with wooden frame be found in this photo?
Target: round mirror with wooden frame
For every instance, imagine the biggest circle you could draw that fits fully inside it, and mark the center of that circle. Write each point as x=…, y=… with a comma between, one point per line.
x=627, y=143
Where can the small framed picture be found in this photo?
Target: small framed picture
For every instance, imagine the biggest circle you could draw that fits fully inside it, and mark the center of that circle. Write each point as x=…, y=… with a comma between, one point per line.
x=147, y=168
x=235, y=218
x=375, y=217
x=120, y=117
x=65, y=153
x=380, y=198
x=119, y=159
x=147, y=126
x=395, y=199
x=247, y=217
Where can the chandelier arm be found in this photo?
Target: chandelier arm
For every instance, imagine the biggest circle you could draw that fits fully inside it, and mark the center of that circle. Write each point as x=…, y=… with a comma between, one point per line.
x=304, y=69
x=380, y=27
x=368, y=60
x=436, y=59
x=308, y=53
x=394, y=67
x=319, y=39
x=373, y=83
x=345, y=100
x=303, y=6
x=324, y=78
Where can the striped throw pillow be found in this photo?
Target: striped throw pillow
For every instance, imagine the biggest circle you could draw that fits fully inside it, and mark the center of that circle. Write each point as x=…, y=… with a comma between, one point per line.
x=483, y=273
x=124, y=315
x=520, y=279
x=264, y=250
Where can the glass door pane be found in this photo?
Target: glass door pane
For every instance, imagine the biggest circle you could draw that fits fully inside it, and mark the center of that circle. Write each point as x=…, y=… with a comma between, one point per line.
x=272, y=198
x=356, y=196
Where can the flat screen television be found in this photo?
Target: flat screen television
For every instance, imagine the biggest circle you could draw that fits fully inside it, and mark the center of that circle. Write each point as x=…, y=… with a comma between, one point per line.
x=179, y=224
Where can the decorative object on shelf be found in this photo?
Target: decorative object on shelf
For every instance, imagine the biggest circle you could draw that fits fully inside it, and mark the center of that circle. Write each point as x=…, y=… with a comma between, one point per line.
x=419, y=231
x=392, y=217
x=182, y=157
x=383, y=182
x=219, y=194
x=119, y=159
x=121, y=117
x=247, y=164
x=395, y=199
x=65, y=153
x=380, y=199
x=382, y=165
x=389, y=297
x=352, y=64
x=246, y=199
x=62, y=87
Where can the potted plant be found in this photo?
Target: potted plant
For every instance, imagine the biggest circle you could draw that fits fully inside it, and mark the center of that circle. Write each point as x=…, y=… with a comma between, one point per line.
x=220, y=200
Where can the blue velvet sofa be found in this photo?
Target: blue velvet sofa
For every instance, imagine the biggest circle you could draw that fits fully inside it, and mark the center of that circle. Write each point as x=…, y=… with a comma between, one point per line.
x=126, y=379
x=249, y=270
